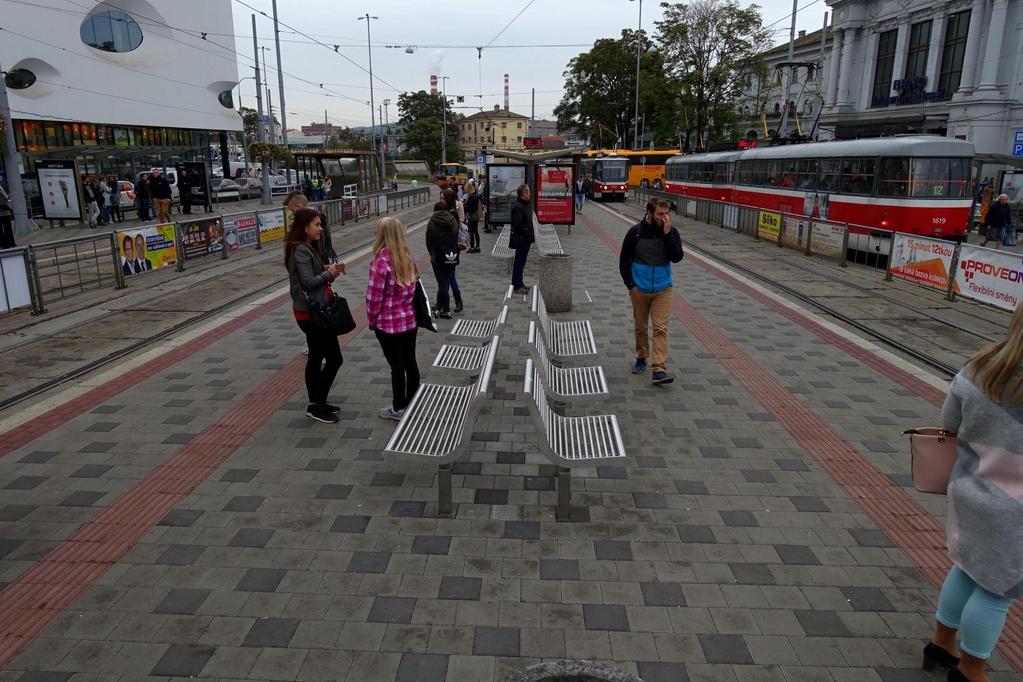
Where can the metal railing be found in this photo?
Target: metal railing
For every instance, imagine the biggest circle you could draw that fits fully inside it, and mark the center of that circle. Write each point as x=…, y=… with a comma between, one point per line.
x=68, y=266
x=899, y=255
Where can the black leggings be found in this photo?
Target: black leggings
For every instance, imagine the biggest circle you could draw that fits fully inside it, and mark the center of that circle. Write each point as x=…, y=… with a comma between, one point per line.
x=319, y=375
x=400, y=351
x=474, y=233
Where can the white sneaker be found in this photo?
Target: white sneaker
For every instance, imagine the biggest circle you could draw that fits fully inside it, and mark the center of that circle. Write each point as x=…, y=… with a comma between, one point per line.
x=392, y=414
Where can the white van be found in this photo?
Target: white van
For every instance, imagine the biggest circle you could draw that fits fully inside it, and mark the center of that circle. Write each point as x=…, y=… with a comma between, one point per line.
x=172, y=178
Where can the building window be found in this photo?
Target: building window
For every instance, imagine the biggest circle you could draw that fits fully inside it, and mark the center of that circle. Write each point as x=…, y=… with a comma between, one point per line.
x=919, y=45
x=883, y=68
x=520, y=125
x=111, y=31
x=226, y=99
x=952, y=53
x=504, y=139
x=19, y=79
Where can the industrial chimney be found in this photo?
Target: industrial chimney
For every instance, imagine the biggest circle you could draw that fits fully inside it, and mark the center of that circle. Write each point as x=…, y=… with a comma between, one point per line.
x=506, y=103
x=433, y=84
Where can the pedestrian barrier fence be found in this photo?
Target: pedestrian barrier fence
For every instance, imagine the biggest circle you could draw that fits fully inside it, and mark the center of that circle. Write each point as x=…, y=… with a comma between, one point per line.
x=989, y=276
x=32, y=274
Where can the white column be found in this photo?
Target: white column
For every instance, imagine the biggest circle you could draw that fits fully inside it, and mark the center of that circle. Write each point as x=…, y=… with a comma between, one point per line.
x=846, y=67
x=869, y=62
x=934, y=53
x=836, y=56
x=993, y=49
x=969, y=79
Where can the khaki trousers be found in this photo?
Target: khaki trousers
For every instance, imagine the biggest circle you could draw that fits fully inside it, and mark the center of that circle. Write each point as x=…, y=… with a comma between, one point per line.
x=163, y=210
x=647, y=309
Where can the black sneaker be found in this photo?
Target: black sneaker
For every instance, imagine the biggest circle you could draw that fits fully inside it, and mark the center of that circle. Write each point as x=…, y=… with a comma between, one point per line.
x=321, y=414
x=444, y=315
x=332, y=408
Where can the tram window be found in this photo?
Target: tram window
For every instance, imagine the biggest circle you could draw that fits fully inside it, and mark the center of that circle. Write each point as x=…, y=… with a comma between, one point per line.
x=939, y=178
x=830, y=175
x=788, y=173
x=721, y=174
x=774, y=173
x=958, y=177
x=893, y=180
x=759, y=173
x=857, y=176
x=743, y=173
x=807, y=174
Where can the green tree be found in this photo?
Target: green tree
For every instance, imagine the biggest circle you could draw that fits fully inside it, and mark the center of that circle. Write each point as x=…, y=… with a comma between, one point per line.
x=711, y=53
x=600, y=91
x=421, y=114
x=346, y=139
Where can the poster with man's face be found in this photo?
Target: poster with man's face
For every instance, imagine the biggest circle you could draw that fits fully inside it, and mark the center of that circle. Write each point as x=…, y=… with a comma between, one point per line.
x=145, y=249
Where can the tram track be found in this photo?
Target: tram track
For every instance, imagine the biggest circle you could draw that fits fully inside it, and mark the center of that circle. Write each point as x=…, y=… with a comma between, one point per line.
x=141, y=344
x=874, y=333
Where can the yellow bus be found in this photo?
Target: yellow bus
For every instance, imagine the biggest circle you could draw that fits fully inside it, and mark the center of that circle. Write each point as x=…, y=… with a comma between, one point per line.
x=646, y=166
x=451, y=172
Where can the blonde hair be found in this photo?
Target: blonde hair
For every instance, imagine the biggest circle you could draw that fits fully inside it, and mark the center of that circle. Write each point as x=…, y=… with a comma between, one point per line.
x=998, y=369
x=391, y=236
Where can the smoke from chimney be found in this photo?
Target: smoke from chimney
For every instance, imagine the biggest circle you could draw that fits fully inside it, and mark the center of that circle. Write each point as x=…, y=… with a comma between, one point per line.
x=433, y=84
x=506, y=103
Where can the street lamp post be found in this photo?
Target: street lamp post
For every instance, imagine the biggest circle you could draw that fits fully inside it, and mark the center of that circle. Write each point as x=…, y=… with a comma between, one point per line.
x=444, y=118
x=387, y=131
x=372, y=104
x=241, y=112
x=639, y=49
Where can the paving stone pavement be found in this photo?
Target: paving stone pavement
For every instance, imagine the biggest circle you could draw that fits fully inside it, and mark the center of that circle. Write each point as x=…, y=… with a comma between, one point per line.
x=719, y=550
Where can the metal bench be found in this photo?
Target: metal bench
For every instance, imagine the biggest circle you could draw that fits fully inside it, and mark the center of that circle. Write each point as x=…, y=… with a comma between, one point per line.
x=566, y=382
x=566, y=338
x=463, y=358
x=569, y=441
x=547, y=238
x=480, y=329
x=501, y=248
x=438, y=424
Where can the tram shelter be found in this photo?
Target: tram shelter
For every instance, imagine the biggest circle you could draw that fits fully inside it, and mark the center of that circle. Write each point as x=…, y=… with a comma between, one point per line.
x=550, y=175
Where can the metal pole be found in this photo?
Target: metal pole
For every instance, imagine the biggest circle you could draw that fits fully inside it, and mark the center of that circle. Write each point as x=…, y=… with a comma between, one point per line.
x=639, y=49
x=280, y=76
x=372, y=101
x=259, y=112
x=783, y=126
x=325, y=128
x=12, y=162
x=245, y=139
x=444, y=128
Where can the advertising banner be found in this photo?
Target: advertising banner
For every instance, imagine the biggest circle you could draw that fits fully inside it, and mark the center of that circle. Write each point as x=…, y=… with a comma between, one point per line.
x=271, y=226
x=502, y=182
x=691, y=208
x=990, y=276
x=796, y=231
x=240, y=231
x=554, y=202
x=769, y=225
x=147, y=248
x=14, y=289
x=58, y=183
x=731, y=216
x=922, y=260
x=201, y=238
x=827, y=239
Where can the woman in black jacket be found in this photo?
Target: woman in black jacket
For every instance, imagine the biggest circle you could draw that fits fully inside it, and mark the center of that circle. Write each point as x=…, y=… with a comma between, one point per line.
x=442, y=245
x=311, y=281
x=997, y=221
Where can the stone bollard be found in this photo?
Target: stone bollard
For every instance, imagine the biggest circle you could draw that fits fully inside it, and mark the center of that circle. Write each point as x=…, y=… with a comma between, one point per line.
x=572, y=671
x=556, y=282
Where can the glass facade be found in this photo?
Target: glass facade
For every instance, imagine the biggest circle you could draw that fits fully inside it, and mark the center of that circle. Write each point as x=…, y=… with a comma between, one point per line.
x=952, y=53
x=111, y=31
x=884, y=67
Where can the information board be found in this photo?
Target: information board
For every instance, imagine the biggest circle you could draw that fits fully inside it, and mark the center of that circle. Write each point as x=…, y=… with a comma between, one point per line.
x=990, y=276
x=58, y=183
x=14, y=289
x=769, y=225
x=502, y=183
x=827, y=239
x=240, y=231
x=922, y=260
x=554, y=202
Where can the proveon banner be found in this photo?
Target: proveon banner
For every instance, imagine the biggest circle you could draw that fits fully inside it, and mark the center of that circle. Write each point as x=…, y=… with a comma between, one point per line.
x=927, y=262
x=554, y=202
x=994, y=277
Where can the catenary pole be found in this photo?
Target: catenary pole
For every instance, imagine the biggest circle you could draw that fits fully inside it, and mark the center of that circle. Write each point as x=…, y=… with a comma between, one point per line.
x=280, y=76
x=783, y=127
x=12, y=162
x=265, y=172
x=444, y=128
x=372, y=101
x=639, y=49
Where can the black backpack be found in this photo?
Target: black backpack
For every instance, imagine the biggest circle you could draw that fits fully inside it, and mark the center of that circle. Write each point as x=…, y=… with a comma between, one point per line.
x=446, y=252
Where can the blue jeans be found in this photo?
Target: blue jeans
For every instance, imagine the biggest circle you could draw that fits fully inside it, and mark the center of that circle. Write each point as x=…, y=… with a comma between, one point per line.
x=580, y=199
x=978, y=614
x=521, y=254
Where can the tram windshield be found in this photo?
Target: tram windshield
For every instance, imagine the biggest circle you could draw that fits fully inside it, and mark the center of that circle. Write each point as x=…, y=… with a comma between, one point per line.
x=613, y=170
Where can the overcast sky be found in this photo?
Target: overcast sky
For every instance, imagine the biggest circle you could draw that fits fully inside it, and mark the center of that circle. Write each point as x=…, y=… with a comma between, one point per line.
x=443, y=43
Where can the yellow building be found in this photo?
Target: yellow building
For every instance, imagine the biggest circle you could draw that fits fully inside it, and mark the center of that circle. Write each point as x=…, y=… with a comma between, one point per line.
x=497, y=129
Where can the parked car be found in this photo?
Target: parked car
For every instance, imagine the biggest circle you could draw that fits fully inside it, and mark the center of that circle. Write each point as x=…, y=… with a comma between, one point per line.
x=225, y=188
x=127, y=193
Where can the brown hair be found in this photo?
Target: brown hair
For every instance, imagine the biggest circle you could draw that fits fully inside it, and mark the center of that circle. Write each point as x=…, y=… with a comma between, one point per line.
x=450, y=198
x=296, y=235
x=440, y=206
x=656, y=203
x=997, y=370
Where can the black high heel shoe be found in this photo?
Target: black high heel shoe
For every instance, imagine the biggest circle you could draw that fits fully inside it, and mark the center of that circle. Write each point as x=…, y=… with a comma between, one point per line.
x=955, y=676
x=934, y=655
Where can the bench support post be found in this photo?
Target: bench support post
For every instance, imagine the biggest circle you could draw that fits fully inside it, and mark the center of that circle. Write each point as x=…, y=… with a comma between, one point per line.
x=444, y=504
x=564, y=510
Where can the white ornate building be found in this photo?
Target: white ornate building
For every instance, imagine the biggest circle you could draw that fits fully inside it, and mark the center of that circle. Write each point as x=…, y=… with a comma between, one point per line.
x=949, y=67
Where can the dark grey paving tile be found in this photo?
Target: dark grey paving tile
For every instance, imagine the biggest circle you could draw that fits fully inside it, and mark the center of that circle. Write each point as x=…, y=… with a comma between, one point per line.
x=15, y=512
x=650, y=462
x=392, y=610
x=818, y=623
x=522, y=530
x=662, y=594
x=82, y=498
x=350, y=524
x=612, y=550
x=605, y=617
x=8, y=545
x=739, y=519
x=475, y=468
x=867, y=599
x=91, y=471
x=271, y=632
x=183, y=660
x=491, y=641
x=651, y=671
x=691, y=488
x=45, y=676
x=422, y=668
x=649, y=501
x=798, y=555
x=322, y=465
x=181, y=555
x=333, y=491
x=388, y=478
x=38, y=457
x=538, y=483
x=612, y=472
x=97, y=447
x=369, y=562
x=559, y=569
x=251, y=537
x=752, y=574
x=310, y=443
x=26, y=483
x=407, y=509
x=238, y=475
x=179, y=419
x=244, y=503
x=431, y=544
x=870, y=537
x=696, y=534
x=182, y=601
x=758, y=476
x=730, y=649
x=809, y=504
x=792, y=465
x=181, y=517
x=490, y=496
x=510, y=458
x=261, y=579
x=458, y=587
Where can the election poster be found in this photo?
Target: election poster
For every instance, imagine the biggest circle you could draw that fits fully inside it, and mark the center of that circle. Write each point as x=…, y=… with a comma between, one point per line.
x=271, y=226
x=240, y=231
x=201, y=238
x=147, y=248
x=769, y=225
x=796, y=231
x=989, y=276
x=827, y=239
x=554, y=202
x=503, y=181
x=58, y=183
x=922, y=260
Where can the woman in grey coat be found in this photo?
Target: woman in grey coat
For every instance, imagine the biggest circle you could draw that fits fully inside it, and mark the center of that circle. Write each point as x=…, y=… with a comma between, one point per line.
x=985, y=508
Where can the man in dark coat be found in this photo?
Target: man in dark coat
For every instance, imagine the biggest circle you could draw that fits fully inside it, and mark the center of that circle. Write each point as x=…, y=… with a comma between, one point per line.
x=522, y=236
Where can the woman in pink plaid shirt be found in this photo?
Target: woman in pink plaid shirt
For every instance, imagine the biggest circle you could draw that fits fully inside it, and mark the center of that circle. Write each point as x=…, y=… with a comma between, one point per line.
x=392, y=284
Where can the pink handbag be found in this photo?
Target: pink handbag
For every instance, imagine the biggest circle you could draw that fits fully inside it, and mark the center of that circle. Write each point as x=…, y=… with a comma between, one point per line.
x=934, y=453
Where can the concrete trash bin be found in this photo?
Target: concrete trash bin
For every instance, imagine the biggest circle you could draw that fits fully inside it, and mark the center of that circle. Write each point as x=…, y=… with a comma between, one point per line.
x=556, y=282
x=572, y=671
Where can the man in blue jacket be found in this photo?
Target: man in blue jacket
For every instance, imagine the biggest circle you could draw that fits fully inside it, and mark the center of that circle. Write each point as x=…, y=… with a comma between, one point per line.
x=648, y=251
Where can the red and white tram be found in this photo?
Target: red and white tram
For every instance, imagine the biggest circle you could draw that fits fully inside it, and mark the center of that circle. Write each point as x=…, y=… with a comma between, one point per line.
x=918, y=184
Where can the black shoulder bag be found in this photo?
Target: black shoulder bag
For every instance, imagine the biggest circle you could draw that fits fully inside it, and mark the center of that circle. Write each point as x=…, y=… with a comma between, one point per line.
x=334, y=317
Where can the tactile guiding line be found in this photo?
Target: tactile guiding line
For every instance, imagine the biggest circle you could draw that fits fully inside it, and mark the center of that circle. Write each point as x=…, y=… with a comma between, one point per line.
x=910, y=527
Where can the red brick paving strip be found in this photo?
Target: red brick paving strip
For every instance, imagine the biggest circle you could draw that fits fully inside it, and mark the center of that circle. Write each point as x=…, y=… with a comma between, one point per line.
x=910, y=527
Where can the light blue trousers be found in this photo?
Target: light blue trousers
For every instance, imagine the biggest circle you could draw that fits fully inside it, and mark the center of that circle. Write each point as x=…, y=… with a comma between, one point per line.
x=978, y=614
